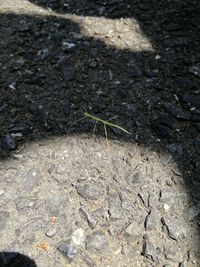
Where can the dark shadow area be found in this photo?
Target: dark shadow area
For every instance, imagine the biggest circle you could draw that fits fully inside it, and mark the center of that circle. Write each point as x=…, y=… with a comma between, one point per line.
x=45, y=84
x=168, y=24
x=14, y=259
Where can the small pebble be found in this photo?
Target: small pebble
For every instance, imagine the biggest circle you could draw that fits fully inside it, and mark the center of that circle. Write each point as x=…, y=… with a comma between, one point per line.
x=166, y=207
x=78, y=237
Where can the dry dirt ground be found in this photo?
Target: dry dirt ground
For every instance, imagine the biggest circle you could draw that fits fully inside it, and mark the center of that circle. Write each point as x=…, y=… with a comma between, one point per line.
x=73, y=193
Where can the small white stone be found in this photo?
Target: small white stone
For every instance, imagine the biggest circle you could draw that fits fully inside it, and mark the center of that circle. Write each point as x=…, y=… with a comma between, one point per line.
x=166, y=207
x=52, y=231
x=14, y=135
x=118, y=251
x=78, y=237
x=68, y=46
x=31, y=204
x=157, y=57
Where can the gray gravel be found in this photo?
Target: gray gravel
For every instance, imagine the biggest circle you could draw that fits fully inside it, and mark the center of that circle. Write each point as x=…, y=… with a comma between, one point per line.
x=96, y=220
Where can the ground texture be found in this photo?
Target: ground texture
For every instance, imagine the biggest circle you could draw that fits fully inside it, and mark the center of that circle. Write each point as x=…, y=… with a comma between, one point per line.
x=75, y=195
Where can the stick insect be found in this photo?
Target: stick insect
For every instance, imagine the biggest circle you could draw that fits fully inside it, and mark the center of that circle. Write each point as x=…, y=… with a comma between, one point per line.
x=105, y=123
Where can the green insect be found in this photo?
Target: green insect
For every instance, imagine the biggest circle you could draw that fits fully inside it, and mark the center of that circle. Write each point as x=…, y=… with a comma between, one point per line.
x=104, y=122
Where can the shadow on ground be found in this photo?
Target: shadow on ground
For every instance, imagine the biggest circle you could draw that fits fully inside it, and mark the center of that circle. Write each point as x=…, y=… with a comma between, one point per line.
x=14, y=259
x=155, y=95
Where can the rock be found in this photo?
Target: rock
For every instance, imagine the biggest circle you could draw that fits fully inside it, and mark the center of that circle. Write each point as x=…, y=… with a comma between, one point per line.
x=176, y=111
x=52, y=230
x=29, y=239
x=68, y=46
x=97, y=242
x=62, y=179
x=93, y=64
x=51, y=168
x=55, y=204
x=13, y=85
x=68, y=249
x=63, y=65
x=131, y=249
x=16, y=136
x=29, y=72
x=172, y=253
x=151, y=221
x=166, y=207
x=167, y=196
x=173, y=228
x=77, y=35
x=4, y=216
x=8, y=143
x=149, y=250
x=78, y=237
x=152, y=201
x=195, y=69
x=175, y=149
x=115, y=212
x=43, y=54
x=90, y=262
x=133, y=231
x=24, y=203
x=31, y=180
x=88, y=217
x=67, y=72
x=65, y=224
x=101, y=212
x=19, y=128
x=166, y=158
x=192, y=212
x=127, y=204
x=89, y=191
x=62, y=176
x=136, y=178
x=61, y=169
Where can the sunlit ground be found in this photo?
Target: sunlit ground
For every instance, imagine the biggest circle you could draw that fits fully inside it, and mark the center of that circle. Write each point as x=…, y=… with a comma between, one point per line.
x=53, y=169
x=112, y=32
